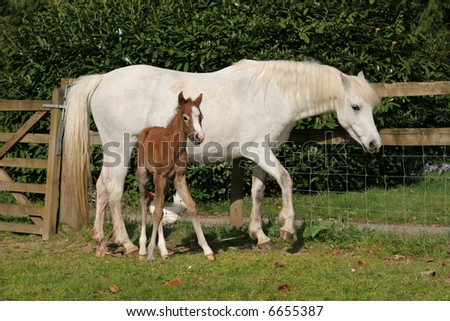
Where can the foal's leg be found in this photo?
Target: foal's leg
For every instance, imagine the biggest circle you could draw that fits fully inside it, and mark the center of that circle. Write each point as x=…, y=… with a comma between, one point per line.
x=143, y=178
x=161, y=183
x=182, y=189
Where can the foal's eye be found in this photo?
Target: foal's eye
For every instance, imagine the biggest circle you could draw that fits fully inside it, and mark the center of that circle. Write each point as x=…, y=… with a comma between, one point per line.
x=356, y=107
x=185, y=117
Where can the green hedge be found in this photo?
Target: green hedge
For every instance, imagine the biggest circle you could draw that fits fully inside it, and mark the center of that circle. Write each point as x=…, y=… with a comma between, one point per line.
x=389, y=40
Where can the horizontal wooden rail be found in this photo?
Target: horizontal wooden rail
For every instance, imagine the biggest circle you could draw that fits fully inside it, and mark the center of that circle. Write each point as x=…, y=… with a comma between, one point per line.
x=28, y=138
x=389, y=136
x=24, y=162
x=412, y=88
x=22, y=187
x=22, y=210
x=23, y=105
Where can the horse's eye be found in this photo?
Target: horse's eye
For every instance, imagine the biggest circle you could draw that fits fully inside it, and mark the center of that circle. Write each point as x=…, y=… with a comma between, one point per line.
x=356, y=107
x=185, y=117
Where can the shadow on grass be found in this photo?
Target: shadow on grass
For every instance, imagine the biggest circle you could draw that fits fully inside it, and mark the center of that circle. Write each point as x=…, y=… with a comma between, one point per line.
x=181, y=237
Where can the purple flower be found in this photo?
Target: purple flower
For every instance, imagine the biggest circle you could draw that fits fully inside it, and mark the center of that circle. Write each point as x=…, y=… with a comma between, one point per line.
x=444, y=168
x=430, y=167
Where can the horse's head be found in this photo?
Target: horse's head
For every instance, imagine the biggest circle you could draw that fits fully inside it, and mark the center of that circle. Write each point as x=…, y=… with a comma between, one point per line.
x=355, y=112
x=192, y=118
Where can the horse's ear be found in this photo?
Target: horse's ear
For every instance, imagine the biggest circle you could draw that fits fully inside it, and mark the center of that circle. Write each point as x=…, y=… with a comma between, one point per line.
x=361, y=75
x=181, y=100
x=347, y=83
x=198, y=100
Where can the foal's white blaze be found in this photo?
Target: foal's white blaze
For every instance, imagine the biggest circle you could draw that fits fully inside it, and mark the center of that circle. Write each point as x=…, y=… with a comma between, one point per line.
x=198, y=134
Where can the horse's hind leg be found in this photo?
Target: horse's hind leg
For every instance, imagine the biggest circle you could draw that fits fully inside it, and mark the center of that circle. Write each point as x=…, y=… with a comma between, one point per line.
x=102, y=200
x=114, y=181
x=182, y=189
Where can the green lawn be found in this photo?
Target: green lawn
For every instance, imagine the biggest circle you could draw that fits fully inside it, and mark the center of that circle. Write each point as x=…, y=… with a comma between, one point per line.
x=339, y=263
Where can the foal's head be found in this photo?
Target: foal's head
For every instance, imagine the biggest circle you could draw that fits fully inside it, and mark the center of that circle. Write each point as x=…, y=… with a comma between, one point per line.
x=192, y=117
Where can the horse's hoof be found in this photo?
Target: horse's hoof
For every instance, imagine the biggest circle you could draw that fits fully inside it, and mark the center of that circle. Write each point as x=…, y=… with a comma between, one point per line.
x=150, y=260
x=287, y=236
x=266, y=246
x=100, y=252
x=132, y=253
x=210, y=257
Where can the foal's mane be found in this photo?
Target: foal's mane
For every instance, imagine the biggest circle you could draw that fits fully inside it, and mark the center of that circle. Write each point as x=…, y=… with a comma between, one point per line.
x=307, y=80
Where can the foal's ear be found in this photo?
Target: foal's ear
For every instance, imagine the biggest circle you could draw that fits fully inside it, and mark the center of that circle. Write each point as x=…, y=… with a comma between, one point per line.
x=181, y=100
x=198, y=100
x=361, y=75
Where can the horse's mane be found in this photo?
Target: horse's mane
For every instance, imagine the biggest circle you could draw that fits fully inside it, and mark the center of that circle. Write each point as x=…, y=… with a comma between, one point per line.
x=307, y=81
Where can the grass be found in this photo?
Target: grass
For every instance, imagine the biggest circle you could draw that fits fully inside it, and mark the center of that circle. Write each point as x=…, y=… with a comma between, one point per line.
x=427, y=203
x=338, y=263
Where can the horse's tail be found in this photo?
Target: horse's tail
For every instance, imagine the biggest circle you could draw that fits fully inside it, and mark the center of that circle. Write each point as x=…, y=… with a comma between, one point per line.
x=76, y=148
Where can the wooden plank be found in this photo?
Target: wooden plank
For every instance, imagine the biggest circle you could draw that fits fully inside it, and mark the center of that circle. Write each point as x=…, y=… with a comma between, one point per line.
x=22, y=187
x=237, y=194
x=21, y=132
x=21, y=228
x=28, y=138
x=412, y=88
x=23, y=105
x=94, y=138
x=53, y=172
x=415, y=136
x=22, y=210
x=20, y=198
x=389, y=136
x=24, y=162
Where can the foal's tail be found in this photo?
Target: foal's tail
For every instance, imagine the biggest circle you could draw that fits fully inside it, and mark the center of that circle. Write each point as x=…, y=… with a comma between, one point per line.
x=76, y=169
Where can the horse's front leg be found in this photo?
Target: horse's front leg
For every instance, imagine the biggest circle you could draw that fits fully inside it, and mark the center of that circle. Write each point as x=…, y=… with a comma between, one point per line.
x=268, y=162
x=182, y=188
x=161, y=183
x=255, y=224
x=143, y=178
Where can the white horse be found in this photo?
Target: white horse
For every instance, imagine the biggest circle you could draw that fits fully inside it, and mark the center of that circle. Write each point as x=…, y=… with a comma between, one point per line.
x=249, y=110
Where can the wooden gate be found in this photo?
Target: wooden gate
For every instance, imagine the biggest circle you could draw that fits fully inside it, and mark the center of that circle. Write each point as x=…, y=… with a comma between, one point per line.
x=43, y=217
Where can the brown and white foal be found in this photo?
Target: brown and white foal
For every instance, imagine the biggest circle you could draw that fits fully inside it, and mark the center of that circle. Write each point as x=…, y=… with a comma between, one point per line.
x=162, y=152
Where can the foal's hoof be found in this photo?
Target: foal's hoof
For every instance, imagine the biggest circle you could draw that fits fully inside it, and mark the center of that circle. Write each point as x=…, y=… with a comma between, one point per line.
x=266, y=246
x=210, y=257
x=287, y=236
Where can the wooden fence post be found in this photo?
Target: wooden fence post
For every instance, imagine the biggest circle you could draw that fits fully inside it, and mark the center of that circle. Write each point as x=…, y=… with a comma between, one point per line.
x=237, y=194
x=53, y=170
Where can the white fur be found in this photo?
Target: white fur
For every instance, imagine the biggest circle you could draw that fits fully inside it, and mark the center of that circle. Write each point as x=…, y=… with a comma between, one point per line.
x=242, y=103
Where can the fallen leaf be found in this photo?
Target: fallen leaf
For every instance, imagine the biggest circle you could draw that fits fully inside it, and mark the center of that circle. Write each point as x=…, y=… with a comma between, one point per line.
x=280, y=264
x=114, y=288
x=401, y=258
x=173, y=282
x=335, y=253
x=284, y=287
x=361, y=263
x=428, y=273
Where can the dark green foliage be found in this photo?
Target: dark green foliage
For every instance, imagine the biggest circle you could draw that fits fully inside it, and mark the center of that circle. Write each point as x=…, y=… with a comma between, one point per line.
x=389, y=40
